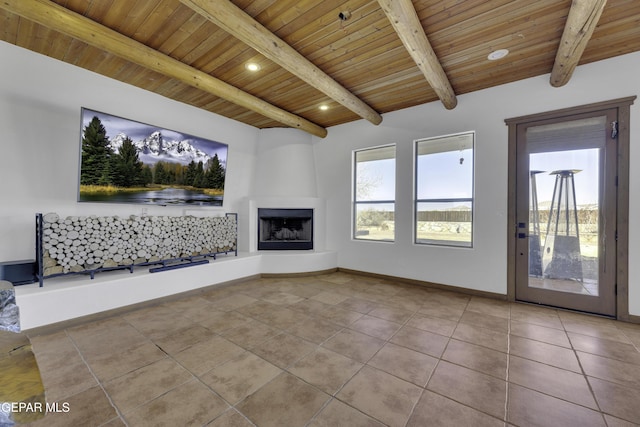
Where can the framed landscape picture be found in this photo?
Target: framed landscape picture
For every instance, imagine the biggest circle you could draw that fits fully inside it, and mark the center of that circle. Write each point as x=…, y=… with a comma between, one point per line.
x=124, y=161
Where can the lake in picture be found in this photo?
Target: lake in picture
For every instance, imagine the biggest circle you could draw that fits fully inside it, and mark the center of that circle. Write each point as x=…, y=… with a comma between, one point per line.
x=167, y=196
x=125, y=161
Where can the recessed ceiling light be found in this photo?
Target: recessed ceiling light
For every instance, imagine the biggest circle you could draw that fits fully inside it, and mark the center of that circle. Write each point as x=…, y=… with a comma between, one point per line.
x=498, y=54
x=324, y=107
x=252, y=66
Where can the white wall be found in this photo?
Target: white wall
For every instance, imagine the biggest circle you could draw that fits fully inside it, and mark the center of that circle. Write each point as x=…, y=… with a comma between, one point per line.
x=484, y=266
x=40, y=102
x=284, y=166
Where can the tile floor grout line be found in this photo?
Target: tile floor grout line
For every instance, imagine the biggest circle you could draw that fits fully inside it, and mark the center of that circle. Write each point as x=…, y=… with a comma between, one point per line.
x=425, y=388
x=633, y=344
x=168, y=356
x=415, y=405
x=232, y=408
x=440, y=359
x=365, y=364
x=582, y=373
x=334, y=396
x=319, y=411
x=506, y=397
x=198, y=379
x=231, y=405
x=585, y=376
x=95, y=377
x=286, y=369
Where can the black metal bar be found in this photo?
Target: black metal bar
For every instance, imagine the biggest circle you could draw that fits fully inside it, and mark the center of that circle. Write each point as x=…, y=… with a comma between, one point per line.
x=176, y=266
x=39, y=250
x=236, y=216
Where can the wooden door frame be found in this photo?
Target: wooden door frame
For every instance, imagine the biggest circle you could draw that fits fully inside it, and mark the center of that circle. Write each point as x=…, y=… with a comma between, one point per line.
x=623, y=108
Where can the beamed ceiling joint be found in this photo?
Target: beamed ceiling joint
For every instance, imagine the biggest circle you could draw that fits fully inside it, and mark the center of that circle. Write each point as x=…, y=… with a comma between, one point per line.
x=579, y=27
x=405, y=21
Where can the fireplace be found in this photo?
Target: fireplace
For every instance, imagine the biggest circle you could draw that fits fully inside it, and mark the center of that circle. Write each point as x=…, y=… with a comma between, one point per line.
x=285, y=229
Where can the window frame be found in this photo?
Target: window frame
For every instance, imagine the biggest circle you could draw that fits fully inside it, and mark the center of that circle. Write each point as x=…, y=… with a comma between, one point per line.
x=354, y=191
x=471, y=200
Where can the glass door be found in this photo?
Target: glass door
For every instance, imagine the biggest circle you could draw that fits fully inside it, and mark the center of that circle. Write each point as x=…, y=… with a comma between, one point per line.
x=566, y=219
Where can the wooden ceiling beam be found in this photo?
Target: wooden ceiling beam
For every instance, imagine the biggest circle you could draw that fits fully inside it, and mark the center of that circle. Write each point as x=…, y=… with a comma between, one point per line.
x=581, y=22
x=405, y=21
x=55, y=17
x=236, y=22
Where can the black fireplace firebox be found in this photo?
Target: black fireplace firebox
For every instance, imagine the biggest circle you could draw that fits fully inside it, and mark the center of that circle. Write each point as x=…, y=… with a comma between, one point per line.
x=285, y=229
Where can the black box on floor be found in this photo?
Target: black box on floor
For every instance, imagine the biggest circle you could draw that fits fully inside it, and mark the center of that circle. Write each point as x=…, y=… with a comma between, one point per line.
x=18, y=272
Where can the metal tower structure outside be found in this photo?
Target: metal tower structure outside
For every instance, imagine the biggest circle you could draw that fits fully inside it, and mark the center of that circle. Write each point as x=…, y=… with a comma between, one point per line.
x=535, y=254
x=561, y=258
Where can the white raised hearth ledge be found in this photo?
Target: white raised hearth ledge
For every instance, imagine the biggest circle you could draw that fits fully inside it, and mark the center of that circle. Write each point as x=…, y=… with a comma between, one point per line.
x=69, y=297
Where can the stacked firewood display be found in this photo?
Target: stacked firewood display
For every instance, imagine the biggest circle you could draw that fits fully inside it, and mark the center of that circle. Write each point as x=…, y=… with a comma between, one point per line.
x=76, y=244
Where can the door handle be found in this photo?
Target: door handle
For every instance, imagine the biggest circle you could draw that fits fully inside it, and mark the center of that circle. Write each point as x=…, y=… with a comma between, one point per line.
x=522, y=235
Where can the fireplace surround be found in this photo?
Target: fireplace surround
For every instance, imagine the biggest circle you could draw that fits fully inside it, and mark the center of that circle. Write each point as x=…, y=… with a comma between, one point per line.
x=285, y=229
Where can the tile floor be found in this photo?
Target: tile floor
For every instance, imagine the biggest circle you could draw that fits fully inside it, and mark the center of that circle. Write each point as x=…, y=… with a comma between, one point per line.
x=342, y=350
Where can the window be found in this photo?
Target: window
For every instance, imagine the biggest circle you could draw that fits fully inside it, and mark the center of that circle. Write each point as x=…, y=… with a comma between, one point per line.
x=374, y=193
x=444, y=190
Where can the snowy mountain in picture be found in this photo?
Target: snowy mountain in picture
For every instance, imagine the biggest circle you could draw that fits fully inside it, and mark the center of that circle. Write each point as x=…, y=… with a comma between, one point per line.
x=155, y=148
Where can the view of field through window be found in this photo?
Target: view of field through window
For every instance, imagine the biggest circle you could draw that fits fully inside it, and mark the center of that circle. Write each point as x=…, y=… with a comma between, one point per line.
x=374, y=193
x=444, y=190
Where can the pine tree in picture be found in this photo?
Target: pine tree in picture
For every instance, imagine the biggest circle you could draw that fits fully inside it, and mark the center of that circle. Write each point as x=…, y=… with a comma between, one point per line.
x=96, y=155
x=124, y=161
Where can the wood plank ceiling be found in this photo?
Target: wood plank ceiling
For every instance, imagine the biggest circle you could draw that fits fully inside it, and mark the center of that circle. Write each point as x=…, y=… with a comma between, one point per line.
x=360, y=58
